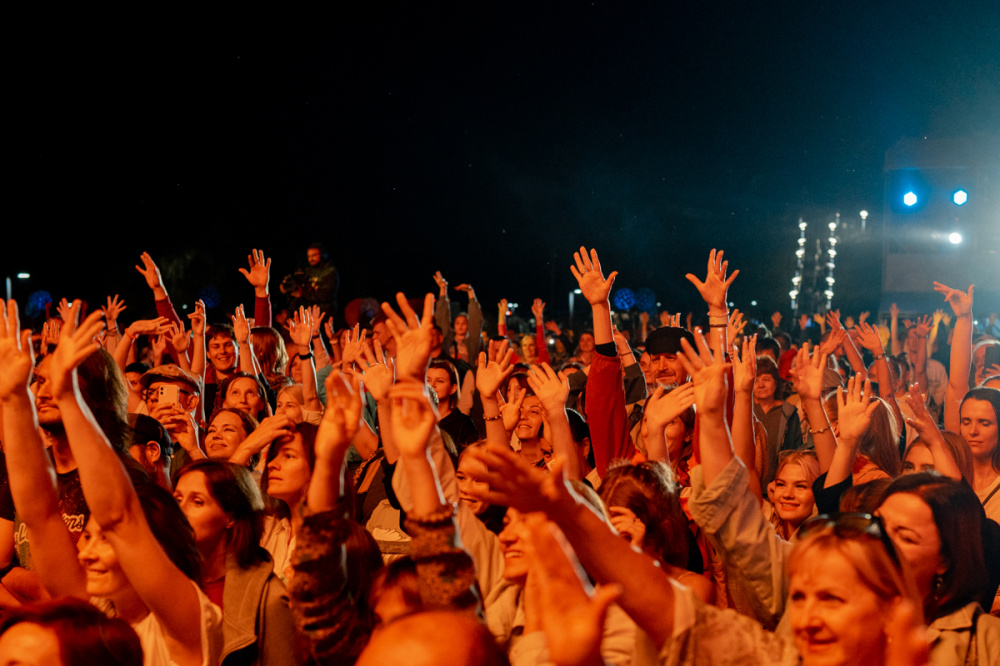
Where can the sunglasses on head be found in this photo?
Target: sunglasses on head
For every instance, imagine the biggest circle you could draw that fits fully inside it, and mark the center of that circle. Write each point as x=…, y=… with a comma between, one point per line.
x=848, y=525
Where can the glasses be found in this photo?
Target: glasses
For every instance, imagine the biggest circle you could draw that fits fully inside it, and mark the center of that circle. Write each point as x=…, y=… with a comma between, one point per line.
x=849, y=525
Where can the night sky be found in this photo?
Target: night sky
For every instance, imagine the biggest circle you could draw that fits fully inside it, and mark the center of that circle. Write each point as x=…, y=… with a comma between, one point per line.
x=488, y=141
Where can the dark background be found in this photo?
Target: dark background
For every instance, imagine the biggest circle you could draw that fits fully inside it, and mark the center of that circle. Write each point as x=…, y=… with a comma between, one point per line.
x=486, y=140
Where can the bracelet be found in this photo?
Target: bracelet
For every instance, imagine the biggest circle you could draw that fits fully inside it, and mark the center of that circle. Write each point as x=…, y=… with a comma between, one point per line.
x=492, y=418
x=820, y=431
x=718, y=325
x=879, y=357
x=305, y=357
x=720, y=314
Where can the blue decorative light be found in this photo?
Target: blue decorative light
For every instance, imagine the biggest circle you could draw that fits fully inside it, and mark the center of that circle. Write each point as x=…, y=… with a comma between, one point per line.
x=960, y=197
x=645, y=299
x=909, y=198
x=36, y=304
x=624, y=299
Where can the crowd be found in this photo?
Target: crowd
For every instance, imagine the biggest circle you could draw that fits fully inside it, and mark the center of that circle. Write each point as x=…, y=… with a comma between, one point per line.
x=429, y=486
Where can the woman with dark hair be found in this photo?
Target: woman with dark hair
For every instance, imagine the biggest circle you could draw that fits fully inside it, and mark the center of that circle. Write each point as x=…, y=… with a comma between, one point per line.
x=137, y=558
x=225, y=508
x=288, y=468
x=979, y=411
x=236, y=437
x=67, y=631
x=644, y=506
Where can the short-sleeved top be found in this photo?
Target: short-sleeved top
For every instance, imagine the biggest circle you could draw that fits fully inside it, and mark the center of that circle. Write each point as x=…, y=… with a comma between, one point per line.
x=154, y=641
x=72, y=506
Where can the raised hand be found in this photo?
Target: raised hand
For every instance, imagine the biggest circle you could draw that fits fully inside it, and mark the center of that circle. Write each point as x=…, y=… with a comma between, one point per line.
x=50, y=334
x=863, y=317
x=412, y=418
x=921, y=421
x=114, y=308
x=924, y=325
x=736, y=325
x=377, y=370
x=198, y=318
x=776, y=319
x=938, y=316
x=150, y=271
x=511, y=481
x=707, y=373
x=833, y=320
x=259, y=274
x=300, y=328
x=502, y=307
x=317, y=315
x=713, y=290
x=587, y=271
x=551, y=391
x=894, y=310
x=491, y=374
x=644, y=318
x=17, y=358
x=855, y=409
x=510, y=411
x=342, y=416
x=803, y=321
x=663, y=406
x=538, y=310
x=159, y=346
x=157, y=326
x=75, y=345
x=413, y=336
x=241, y=327
x=467, y=288
x=869, y=338
x=807, y=373
x=353, y=348
x=745, y=365
x=960, y=301
x=833, y=341
x=441, y=283
x=179, y=338
x=63, y=309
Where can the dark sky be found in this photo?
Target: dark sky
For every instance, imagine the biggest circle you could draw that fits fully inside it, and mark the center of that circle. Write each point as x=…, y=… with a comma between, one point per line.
x=486, y=141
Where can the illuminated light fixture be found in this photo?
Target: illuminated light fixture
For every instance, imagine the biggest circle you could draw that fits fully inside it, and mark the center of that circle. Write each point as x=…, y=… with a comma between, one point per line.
x=23, y=276
x=796, y=280
x=800, y=253
x=864, y=215
x=833, y=240
x=794, y=293
x=832, y=252
x=802, y=226
x=753, y=302
x=955, y=238
x=909, y=198
x=802, y=241
x=832, y=225
x=960, y=198
x=577, y=291
x=829, y=294
x=829, y=279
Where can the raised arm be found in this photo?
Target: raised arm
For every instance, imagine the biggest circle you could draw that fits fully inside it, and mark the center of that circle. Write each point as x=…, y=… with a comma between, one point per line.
x=853, y=357
x=961, y=354
x=883, y=374
x=714, y=291
x=808, y=380
x=662, y=408
x=241, y=329
x=333, y=439
x=552, y=392
x=488, y=380
x=29, y=468
x=301, y=329
x=596, y=289
x=538, y=310
x=854, y=414
x=259, y=276
x=927, y=429
x=114, y=308
x=919, y=359
x=744, y=443
x=198, y=359
x=709, y=376
x=113, y=502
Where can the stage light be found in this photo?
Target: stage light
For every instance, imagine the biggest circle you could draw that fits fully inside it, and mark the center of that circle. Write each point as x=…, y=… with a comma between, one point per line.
x=909, y=198
x=960, y=198
x=800, y=253
x=864, y=215
x=794, y=293
x=802, y=241
x=802, y=226
x=832, y=225
x=955, y=238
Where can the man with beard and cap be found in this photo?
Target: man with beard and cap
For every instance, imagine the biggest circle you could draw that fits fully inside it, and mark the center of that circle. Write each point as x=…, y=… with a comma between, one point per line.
x=152, y=448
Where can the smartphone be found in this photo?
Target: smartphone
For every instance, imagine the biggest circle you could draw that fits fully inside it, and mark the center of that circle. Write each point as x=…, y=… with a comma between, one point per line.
x=169, y=393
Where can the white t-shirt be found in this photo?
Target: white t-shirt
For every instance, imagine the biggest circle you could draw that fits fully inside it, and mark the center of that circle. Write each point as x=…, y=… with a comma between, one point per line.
x=154, y=641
